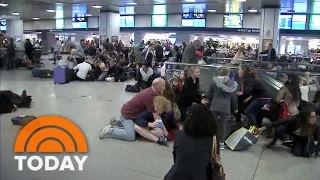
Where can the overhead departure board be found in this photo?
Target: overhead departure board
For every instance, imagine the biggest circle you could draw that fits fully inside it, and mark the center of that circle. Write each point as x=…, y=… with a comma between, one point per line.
x=232, y=21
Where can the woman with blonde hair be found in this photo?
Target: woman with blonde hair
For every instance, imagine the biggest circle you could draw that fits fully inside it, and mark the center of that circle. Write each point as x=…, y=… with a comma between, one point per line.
x=155, y=129
x=190, y=92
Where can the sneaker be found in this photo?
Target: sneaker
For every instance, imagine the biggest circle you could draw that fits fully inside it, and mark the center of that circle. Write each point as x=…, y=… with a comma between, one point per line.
x=162, y=141
x=222, y=146
x=114, y=122
x=105, y=132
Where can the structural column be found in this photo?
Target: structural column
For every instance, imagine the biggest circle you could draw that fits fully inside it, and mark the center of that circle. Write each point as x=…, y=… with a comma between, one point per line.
x=109, y=26
x=15, y=30
x=269, y=30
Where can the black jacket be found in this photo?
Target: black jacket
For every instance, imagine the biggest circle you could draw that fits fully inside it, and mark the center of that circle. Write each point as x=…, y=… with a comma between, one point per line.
x=253, y=87
x=192, y=158
x=147, y=117
x=272, y=56
x=190, y=93
x=291, y=124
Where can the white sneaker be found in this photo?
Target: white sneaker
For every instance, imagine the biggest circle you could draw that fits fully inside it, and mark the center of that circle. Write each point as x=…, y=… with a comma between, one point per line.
x=222, y=147
x=105, y=132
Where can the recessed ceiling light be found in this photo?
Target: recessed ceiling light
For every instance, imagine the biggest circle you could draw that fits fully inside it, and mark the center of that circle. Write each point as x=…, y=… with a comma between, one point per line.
x=88, y=15
x=190, y=0
x=3, y=4
x=253, y=10
x=131, y=3
x=51, y=10
x=35, y=18
x=241, y=0
x=97, y=6
x=212, y=10
x=15, y=13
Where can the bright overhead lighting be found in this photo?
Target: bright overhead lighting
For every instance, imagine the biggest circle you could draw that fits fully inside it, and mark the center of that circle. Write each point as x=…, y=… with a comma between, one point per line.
x=131, y=3
x=3, y=4
x=241, y=0
x=97, y=6
x=253, y=10
x=88, y=15
x=51, y=10
x=15, y=13
x=35, y=18
x=190, y=0
x=212, y=10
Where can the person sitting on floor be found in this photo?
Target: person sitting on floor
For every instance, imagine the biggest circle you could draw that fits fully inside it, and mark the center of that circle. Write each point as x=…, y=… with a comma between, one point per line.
x=145, y=75
x=154, y=129
x=130, y=111
x=304, y=130
x=82, y=70
x=116, y=71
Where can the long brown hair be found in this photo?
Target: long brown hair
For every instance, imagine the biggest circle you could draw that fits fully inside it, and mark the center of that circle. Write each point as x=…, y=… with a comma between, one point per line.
x=169, y=94
x=306, y=129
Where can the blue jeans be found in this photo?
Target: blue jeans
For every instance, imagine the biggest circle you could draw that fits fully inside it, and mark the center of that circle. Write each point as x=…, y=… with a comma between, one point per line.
x=103, y=76
x=125, y=131
x=254, y=108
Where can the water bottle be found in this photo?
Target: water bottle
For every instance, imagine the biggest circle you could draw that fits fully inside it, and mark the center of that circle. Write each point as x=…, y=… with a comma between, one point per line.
x=160, y=124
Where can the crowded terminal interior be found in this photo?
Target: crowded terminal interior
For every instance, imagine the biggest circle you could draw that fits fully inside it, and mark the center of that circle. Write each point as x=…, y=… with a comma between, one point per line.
x=160, y=89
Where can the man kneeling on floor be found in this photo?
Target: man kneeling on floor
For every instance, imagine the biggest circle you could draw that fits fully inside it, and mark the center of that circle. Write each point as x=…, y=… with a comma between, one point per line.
x=130, y=111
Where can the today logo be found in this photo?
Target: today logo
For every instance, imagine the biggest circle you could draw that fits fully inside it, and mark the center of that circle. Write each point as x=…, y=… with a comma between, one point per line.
x=51, y=134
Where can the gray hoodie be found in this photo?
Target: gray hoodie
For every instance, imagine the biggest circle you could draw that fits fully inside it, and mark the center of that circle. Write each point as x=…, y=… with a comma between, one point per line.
x=221, y=94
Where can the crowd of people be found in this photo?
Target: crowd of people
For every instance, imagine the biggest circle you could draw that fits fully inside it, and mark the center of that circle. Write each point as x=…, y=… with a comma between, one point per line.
x=162, y=111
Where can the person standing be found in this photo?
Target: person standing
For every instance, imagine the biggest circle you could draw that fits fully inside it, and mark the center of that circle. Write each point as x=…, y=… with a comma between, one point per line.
x=271, y=52
x=11, y=50
x=80, y=57
x=189, y=54
x=220, y=95
x=56, y=50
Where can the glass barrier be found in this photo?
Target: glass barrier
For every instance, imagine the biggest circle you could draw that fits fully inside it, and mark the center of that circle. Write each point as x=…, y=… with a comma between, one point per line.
x=268, y=65
x=272, y=80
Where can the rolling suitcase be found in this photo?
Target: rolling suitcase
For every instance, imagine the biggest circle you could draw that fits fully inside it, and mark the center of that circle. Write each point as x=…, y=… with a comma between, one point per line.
x=60, y=75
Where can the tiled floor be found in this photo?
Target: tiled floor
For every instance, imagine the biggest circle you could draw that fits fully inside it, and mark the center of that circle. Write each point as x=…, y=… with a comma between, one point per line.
x=91, y=104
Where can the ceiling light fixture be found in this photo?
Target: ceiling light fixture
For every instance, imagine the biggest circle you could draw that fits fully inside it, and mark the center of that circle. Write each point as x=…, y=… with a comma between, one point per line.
x=131, y=3
x=35, y=18
x=241, y=0
x=97, y=6
x=3, y=4
x=190, y=0
x=212, y=10
x=253, y=10
x=15, y=13
x=51, y=10
x=88, y=15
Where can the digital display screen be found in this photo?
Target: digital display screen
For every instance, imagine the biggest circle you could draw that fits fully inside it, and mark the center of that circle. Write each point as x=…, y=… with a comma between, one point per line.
x=159, y=20
x=299, y=22
x=126, y=10
x=79, y=19
x=286, y=5
x=232, y=20
x=126, y=21
x=193, y=23
x=314, y=22
x=315, y=7
x=193, y=15
x=285, y=21
x=159, y=9
x=3, y=25
x=300, y=6
x=59, y=16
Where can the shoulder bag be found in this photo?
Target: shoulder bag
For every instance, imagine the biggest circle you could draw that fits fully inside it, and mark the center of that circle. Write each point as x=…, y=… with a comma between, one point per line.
x=217, y=168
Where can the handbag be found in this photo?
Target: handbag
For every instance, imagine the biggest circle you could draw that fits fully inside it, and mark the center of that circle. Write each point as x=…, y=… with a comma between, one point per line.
x=176, y=112
x=217, y=168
